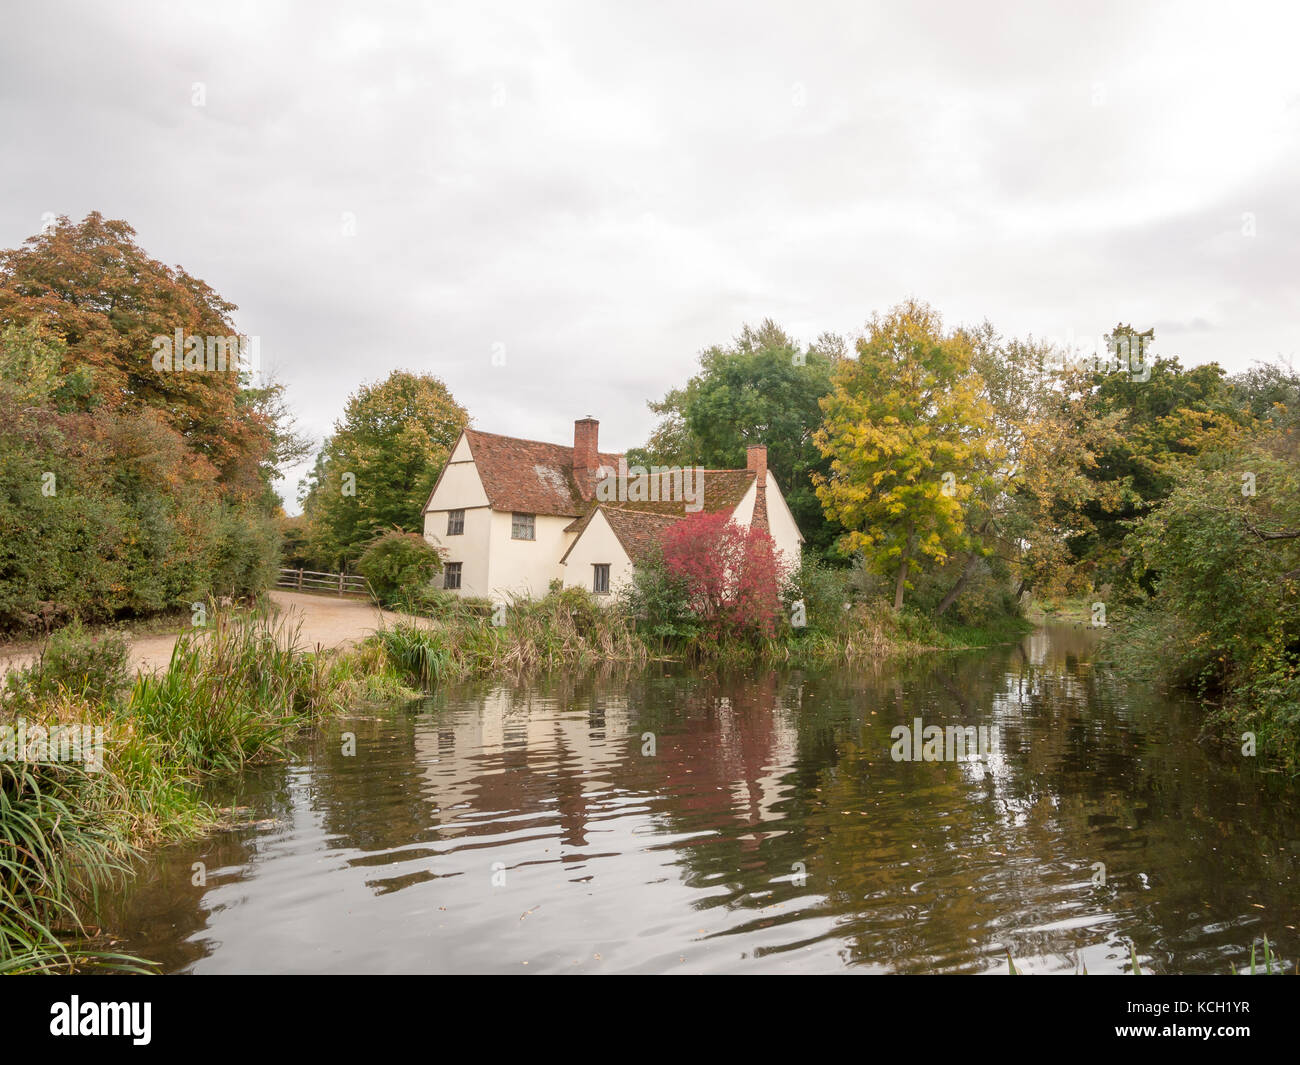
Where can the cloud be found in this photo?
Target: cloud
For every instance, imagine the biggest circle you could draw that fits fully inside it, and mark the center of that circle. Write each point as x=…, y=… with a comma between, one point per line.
x=607, y=190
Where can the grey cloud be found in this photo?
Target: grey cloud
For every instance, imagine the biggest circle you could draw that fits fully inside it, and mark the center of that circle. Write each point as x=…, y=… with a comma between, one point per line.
x=608, y=189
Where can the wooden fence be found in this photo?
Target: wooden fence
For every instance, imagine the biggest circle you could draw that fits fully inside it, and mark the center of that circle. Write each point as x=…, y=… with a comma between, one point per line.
x=305, y=580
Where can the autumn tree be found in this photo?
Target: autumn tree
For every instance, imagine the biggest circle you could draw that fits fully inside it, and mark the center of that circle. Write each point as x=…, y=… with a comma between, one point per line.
x=125, y=488
x=107, y=513
x=1162, y=417
x=730, y=574
x=94, y=290
x=1220, y=553
x=376, y=471
x=909, y=435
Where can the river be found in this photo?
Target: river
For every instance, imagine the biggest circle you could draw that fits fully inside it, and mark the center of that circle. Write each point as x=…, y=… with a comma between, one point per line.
x=677, y=821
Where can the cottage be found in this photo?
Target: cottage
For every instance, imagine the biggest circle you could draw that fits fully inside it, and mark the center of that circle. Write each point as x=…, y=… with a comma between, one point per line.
x=510, y=515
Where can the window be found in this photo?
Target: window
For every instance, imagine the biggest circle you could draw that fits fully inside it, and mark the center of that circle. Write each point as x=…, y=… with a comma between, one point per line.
x=522, y=527
x=600, y=579
x=451, y=575
x=455, y=523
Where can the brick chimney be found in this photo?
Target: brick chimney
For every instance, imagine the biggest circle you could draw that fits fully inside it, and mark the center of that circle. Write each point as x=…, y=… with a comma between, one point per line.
x=756, y=460
x=586, y=454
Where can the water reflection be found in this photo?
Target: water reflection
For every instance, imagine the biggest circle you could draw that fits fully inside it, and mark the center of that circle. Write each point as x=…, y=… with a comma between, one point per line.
x=680, y=822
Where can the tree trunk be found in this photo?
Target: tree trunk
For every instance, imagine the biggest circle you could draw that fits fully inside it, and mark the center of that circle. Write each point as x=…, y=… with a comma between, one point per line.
x=901, y=584
x=969, y=568
x=955, y=590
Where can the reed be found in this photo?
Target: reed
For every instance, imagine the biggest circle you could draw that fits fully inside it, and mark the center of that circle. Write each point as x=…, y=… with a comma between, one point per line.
x=234, y=693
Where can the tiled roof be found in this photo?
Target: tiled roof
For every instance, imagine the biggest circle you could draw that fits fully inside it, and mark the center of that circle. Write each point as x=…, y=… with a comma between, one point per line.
x=717, y=490
x=528, y=476
x=641, y=534
x=640, y=524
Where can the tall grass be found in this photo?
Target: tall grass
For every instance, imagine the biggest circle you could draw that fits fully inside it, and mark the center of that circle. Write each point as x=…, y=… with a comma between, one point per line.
x=46, y=833
x=233, y=693
x=564, y=628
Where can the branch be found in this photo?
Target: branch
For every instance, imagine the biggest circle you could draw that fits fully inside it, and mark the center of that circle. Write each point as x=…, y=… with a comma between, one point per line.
x=1260, y=534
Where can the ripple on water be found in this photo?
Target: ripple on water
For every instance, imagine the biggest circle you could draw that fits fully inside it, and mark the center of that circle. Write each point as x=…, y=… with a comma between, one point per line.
x=770, y=831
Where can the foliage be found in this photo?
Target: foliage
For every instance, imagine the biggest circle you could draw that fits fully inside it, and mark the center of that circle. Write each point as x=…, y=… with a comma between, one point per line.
x=233, y=693
x=124, y=490
x=1225, y=566
x=564, y=628
x=396, y=562
x=53, y=848
x=660, y=602
x=72, y=660
x=760, y=389
x=986, y=598
x=93, y=291
x=827, y=595
x=908, y=433
x=377, y=470
x=1172, y=416
x=731, y=575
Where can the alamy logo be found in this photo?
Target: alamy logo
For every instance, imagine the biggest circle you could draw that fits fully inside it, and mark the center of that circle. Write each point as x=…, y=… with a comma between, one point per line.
x=666, y=484
x=102, y=1018
x=57, y=743
x=216, y=354
x=936, y=743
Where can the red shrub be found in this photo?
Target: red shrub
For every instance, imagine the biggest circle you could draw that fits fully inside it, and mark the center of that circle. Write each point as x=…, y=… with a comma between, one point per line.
x=731, y=573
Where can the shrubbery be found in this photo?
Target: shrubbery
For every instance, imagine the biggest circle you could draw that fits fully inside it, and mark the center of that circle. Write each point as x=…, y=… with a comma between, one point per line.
x=72, y=661
x=124, y=490
x=1225, y=567
x=104, y=516
x=399, y=564
x=730, y=575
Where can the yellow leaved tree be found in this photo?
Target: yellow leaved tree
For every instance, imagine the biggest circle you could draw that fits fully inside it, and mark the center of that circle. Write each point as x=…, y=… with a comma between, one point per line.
x=910, y=435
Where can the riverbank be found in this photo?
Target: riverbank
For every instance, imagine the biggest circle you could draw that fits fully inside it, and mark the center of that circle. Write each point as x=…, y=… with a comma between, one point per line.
x=322, y=621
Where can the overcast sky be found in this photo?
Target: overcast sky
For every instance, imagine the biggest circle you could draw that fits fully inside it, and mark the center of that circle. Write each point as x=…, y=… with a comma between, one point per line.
x=599, y=191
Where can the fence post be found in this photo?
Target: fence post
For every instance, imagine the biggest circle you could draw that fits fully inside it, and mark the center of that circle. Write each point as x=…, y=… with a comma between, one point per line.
x=340, y=584
x=300, y=580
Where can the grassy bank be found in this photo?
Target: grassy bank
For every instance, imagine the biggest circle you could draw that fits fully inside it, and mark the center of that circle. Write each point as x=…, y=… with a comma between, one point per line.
x=1248, y=683
x=569, y=628
x=234, y=693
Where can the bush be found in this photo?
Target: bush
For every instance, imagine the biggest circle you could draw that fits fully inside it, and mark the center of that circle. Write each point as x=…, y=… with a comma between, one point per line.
x=131, y=522
x=828, y=594
x=730, y=573
x=399, y=564
x=1224, y=619
x=986, y=597
x=93, y=667
x=659, y=603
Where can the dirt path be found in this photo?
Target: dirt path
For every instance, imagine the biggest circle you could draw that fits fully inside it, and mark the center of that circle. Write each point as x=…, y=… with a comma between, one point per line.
x=326, y=622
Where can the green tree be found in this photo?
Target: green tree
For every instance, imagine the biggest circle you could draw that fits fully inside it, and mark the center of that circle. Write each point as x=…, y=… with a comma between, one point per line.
x=1162, y=417
x=1222, y=554
x=761, y=389
x=122, y=492
x=376, y=471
